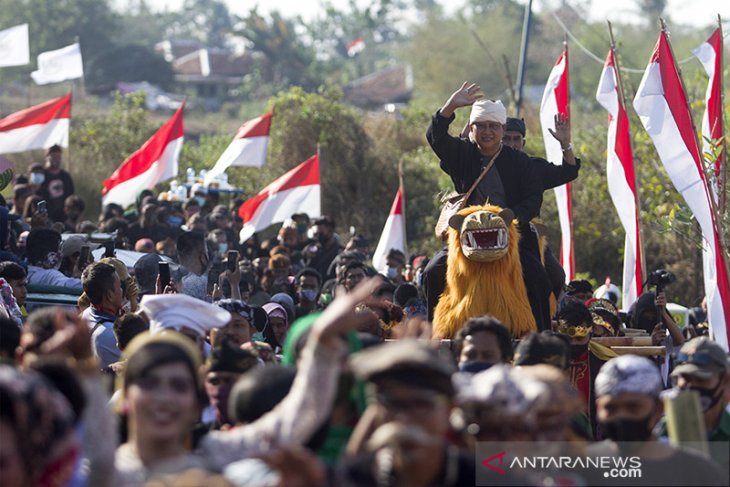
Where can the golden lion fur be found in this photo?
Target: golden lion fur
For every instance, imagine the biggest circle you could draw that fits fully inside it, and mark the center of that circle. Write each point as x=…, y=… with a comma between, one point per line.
x=475, y=289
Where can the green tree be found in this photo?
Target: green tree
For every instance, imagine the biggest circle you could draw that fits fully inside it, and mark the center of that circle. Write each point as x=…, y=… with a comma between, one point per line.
x=128, y=63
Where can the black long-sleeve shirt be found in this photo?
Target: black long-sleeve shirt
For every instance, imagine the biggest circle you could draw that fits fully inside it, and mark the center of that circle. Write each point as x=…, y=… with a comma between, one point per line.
x=462, y=160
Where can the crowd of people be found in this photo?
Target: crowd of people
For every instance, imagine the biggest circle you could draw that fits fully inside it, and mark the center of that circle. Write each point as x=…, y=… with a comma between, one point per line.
x=292, y=362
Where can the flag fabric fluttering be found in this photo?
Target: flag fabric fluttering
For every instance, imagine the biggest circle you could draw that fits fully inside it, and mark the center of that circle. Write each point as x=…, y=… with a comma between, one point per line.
x=710, y=55
x=154, y=162
x=248, y=147
x=394, y=234
x=661, y=104
x=296, y=191
x=36, y=127
x=59, y=65
x=621, y=180
x=355, y=47
x=14, y=46
x=556, y=100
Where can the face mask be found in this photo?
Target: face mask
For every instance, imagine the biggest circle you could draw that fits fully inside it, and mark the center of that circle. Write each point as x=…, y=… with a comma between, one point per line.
x=258, y=337
x=708, y=397
x=200, y=200
x=308, y=295
x=222, y=248
x=392, y=272
x=627, y=429
x=37, y=178
x=577, y=350
x=174, y=221
x=322, y=238
x=474, y=367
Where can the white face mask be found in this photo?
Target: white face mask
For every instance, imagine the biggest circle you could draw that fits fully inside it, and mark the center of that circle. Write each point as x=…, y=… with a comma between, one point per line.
x=391, y=272
x=37, y=178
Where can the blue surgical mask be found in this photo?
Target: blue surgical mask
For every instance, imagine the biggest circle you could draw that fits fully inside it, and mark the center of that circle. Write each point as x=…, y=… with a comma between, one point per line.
x=174, y=221
x=200, y=200
x=391, y=272
x=258, y=337
x=37, y=178
x=309, y=295
x=474, y=367
x=222, y=248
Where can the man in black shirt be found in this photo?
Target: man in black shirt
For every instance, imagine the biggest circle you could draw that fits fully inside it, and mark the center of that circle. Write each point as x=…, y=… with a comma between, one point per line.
x=57, y=183
x=511, y=183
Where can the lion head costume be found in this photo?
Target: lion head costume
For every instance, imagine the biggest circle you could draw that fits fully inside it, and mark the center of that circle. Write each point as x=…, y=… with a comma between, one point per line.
x=484, y=274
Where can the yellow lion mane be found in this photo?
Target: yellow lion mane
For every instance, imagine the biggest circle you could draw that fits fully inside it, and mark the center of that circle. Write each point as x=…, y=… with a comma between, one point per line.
x=480, y=288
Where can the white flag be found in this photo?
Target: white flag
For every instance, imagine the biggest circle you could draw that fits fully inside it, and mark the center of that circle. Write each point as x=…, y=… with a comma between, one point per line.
x=59, y=65
x=14, y=50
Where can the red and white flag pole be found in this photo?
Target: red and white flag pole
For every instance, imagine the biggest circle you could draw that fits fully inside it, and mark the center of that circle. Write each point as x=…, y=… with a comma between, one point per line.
x=296, y=191
x=620, y=174
x=661, y=103
x=154, y=162
x=556, y=100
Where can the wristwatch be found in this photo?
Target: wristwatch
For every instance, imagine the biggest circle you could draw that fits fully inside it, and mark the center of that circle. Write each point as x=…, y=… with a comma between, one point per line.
x=570, y=147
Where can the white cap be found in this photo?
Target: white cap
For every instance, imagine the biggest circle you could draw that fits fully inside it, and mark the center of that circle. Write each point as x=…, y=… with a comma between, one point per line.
x=198, y=188
x=488, y=111
x=177, y=311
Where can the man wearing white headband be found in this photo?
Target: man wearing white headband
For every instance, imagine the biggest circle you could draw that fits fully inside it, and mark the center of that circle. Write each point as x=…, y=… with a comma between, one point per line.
x=510, y=183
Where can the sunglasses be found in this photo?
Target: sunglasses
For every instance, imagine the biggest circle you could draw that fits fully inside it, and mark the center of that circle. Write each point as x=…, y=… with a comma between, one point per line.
x=701, y=358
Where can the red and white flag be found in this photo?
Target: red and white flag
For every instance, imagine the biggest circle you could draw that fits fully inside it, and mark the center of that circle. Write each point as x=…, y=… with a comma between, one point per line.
x=248, y=147
x=661, y=104
x=556, y=100
x=154, y=162
x=355, y=47
x=710, y=55
x=621, y=181
x=394, y=234
x=37, y=127
x=296, y=191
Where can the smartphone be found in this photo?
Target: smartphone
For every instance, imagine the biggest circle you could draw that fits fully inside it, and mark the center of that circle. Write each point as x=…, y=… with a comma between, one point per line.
x=84, y=257
x=42, y=207
x=109, y=249
x=164, y=274
x=232, y=260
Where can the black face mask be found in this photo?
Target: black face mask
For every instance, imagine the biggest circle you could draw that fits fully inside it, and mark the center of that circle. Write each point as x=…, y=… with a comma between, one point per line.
x=323, y=239
x=708, y=397
x=577, y=350
x=474, y=367
x=627, y=429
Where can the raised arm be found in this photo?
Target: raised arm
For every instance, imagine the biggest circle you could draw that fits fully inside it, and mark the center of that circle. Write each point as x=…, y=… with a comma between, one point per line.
x=310, y=399
x=444, y=145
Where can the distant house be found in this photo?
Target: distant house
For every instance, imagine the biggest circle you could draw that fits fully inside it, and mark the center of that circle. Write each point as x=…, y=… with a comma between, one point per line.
x=391, y=85
x=211, y=73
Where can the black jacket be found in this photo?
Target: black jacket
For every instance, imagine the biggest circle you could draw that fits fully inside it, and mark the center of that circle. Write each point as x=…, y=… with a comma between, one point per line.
x=462, y=160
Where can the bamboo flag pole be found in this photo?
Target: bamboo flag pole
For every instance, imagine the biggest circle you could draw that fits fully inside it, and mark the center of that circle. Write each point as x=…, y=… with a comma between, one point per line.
x=637, y=200
x=402, y=189
x=713, y=206
x=722, y=183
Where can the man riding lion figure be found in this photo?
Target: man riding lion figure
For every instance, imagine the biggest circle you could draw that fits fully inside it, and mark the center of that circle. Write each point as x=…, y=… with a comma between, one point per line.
x=493, y=260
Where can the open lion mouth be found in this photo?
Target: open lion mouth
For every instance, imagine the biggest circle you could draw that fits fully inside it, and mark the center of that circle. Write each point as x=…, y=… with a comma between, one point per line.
x=484, y=239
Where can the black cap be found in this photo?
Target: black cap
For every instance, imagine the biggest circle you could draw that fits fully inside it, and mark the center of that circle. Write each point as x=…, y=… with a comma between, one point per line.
x=325, y=220
x=515, y=125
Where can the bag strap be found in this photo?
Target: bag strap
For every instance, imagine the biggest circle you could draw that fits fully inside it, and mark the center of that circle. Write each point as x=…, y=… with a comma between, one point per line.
x=484, y=172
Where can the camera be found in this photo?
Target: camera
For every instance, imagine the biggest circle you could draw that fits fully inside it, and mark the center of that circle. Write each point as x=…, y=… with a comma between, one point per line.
x=660, y=278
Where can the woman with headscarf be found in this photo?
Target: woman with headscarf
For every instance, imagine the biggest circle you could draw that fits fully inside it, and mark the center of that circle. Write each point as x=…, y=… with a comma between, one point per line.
x=275, y=333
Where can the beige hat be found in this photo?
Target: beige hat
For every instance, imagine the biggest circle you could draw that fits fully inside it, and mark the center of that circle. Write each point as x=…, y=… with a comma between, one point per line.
x=488, y=111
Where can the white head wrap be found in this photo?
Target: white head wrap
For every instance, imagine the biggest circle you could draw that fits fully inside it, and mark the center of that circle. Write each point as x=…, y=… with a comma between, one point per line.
x=176, y=311
x=488, y=111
